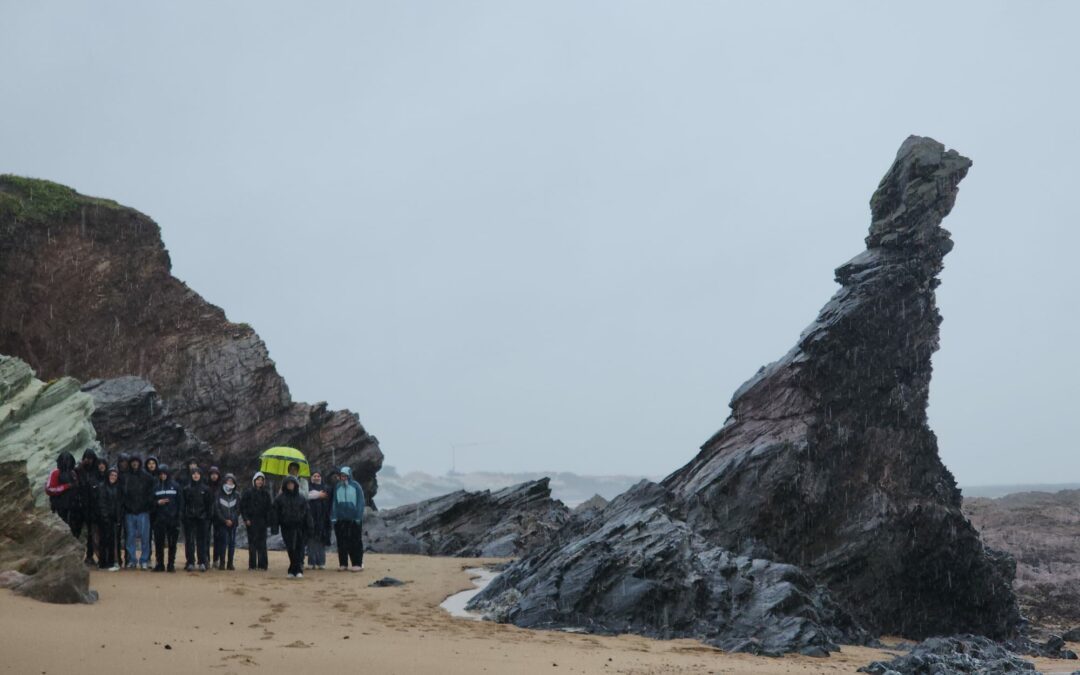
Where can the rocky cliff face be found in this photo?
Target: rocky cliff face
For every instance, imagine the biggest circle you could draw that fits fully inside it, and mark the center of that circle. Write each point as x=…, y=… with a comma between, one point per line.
x=1042, y=531
x=826, y=464
x=510, y=522
x=86, y=290
x=38, y=556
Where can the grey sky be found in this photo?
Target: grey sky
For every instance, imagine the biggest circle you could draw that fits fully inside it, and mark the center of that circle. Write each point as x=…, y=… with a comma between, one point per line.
x=569, y=230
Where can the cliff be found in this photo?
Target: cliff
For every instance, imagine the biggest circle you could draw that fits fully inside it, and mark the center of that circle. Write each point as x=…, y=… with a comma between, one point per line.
x=87, y=291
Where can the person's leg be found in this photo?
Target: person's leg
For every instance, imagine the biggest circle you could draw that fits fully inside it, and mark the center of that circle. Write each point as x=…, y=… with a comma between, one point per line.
x=129, y=525
x=217, y=538
x=144, y=534
x=230, y=546
x=105, y=547
x=159, y=547
x=189, y=545
x=357, y=552
x=89, y=542
x=264, y=558
x=173, y=533
x=253, y=547
x=202, y=532
x=342, y=547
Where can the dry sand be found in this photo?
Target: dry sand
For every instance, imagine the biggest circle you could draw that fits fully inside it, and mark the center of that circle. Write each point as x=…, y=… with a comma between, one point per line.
x=243, y=622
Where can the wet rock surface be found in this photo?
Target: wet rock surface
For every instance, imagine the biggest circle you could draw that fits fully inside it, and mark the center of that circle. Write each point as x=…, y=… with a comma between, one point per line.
x=1042, y=531
x=504, y=523
x=39, y=557
x=101, y=272
x=826, y=475
x=638, y=568
x=129, y=416
x=949, y=655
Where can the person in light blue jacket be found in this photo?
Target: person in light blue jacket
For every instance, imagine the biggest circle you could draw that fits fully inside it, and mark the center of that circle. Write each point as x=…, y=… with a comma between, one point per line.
x=347, y=515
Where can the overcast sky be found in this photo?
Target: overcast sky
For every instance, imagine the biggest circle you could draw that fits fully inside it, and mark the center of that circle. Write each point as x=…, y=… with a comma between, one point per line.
x=560, y=234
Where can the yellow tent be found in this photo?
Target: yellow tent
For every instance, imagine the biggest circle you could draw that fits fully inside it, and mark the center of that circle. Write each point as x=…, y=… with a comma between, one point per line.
x=276, y=461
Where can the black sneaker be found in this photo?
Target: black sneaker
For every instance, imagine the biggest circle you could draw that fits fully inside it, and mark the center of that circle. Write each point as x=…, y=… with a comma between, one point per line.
x=159, y=568
x=230, y=567
x=221, y=564
x=170, y=568
x=189, y=567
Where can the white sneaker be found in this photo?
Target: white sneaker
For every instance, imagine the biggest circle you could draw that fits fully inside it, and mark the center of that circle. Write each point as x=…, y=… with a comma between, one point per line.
x=343, y=569
x=356, y=568
x=114, y=568
x=291, y=575
x=299, y=575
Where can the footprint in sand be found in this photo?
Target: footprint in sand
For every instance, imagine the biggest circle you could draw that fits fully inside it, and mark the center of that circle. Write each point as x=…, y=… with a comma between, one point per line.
x=241, y=659
x=298, y=644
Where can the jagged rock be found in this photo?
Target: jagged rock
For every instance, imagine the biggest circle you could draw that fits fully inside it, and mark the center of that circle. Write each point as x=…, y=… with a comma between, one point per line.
x=947, y=655
x=825, y=472
x=827, y=459
x=86, y=290
x=1041, y=530
x=590, y=507
x=638, y=568
x=504, y=523
x=129, y=416
x=38, y=421
x=1072, y=635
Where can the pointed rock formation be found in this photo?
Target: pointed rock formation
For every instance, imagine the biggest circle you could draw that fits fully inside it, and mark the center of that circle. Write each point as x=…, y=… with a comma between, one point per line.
x=86, y=290
x=827, y=459
x=826, y=472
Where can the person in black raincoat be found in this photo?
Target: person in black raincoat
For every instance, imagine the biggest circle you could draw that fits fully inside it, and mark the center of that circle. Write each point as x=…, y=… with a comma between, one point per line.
x=213, y=481
x=110, y=512
x=123, y=465
x=257, y=511
x=151, y=468
x=319, y=537
x=88, y=480
x=226, y=519
x=292, y=515
x=138, y=493
x=168, y=505
x=198, y=510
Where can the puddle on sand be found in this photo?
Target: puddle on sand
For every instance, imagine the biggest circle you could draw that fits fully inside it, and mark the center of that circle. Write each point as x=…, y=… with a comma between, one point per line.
x=455, y=604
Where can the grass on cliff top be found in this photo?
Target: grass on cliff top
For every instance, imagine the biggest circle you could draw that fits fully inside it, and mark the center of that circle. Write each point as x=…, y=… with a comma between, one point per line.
x=33, y=199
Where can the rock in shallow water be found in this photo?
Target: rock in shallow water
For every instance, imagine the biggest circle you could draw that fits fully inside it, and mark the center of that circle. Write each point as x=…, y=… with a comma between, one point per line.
x=826, y=472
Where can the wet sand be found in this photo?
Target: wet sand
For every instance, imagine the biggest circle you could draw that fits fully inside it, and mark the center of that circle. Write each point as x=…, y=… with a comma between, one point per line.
x=243, y=622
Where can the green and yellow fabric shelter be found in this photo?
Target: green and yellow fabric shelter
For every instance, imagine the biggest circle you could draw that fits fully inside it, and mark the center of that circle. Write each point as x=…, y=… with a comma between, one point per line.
x=276, y=461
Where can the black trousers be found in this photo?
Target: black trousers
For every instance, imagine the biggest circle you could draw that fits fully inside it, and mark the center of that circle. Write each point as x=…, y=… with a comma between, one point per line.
x=196, y=546
x=165, y=534
x=294, y=536
x=257, y=546
x=108, y=541
x=350, y=543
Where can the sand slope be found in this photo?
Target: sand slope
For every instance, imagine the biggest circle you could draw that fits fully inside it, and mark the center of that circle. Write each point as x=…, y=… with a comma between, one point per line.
x=242, y=622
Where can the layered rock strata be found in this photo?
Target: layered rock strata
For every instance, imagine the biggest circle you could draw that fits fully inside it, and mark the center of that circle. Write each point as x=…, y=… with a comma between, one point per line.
x=129, y=416
x=510, y=522
x=38, y=556
x=87, y=291
x=826, y=464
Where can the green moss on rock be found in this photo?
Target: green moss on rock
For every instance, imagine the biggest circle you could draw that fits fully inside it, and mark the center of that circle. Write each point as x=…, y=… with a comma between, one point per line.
x=33, y=199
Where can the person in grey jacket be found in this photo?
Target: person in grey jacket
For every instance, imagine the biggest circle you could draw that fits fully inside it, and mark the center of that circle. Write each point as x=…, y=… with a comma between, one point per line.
x=226, y=518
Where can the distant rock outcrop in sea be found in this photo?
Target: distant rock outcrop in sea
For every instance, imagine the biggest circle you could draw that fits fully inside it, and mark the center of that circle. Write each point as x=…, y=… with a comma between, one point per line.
x=39, y=557
x=87, y=290
x=826, y=473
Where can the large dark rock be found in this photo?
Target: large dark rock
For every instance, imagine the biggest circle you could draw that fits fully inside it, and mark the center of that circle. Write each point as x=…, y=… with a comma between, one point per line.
x=37, y=546
x=129, y=416
x=508, y=522
x=825, y=473
x=827, y=459
x=86, y=290
x=947, y=655
x=1042, y=531
x=638, y=568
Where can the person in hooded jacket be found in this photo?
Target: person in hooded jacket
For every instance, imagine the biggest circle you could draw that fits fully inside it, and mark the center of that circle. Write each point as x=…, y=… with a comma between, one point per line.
x=168, y=505
x=292, y=515
x=347, y=514
x=213, y=481
x=123, y=466
x=138, y=502
x=226, y=518
x=257, y=510
x=319, y=505
x=110, y=512
x=87, y=472
x=63, y=489
x=198, y=510
x=151, y=467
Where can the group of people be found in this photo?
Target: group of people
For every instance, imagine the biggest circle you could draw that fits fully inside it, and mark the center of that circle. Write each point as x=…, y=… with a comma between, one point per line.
x=129, y=503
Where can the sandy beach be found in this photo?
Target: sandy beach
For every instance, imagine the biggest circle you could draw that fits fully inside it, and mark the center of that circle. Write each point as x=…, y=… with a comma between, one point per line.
x=240, y=622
